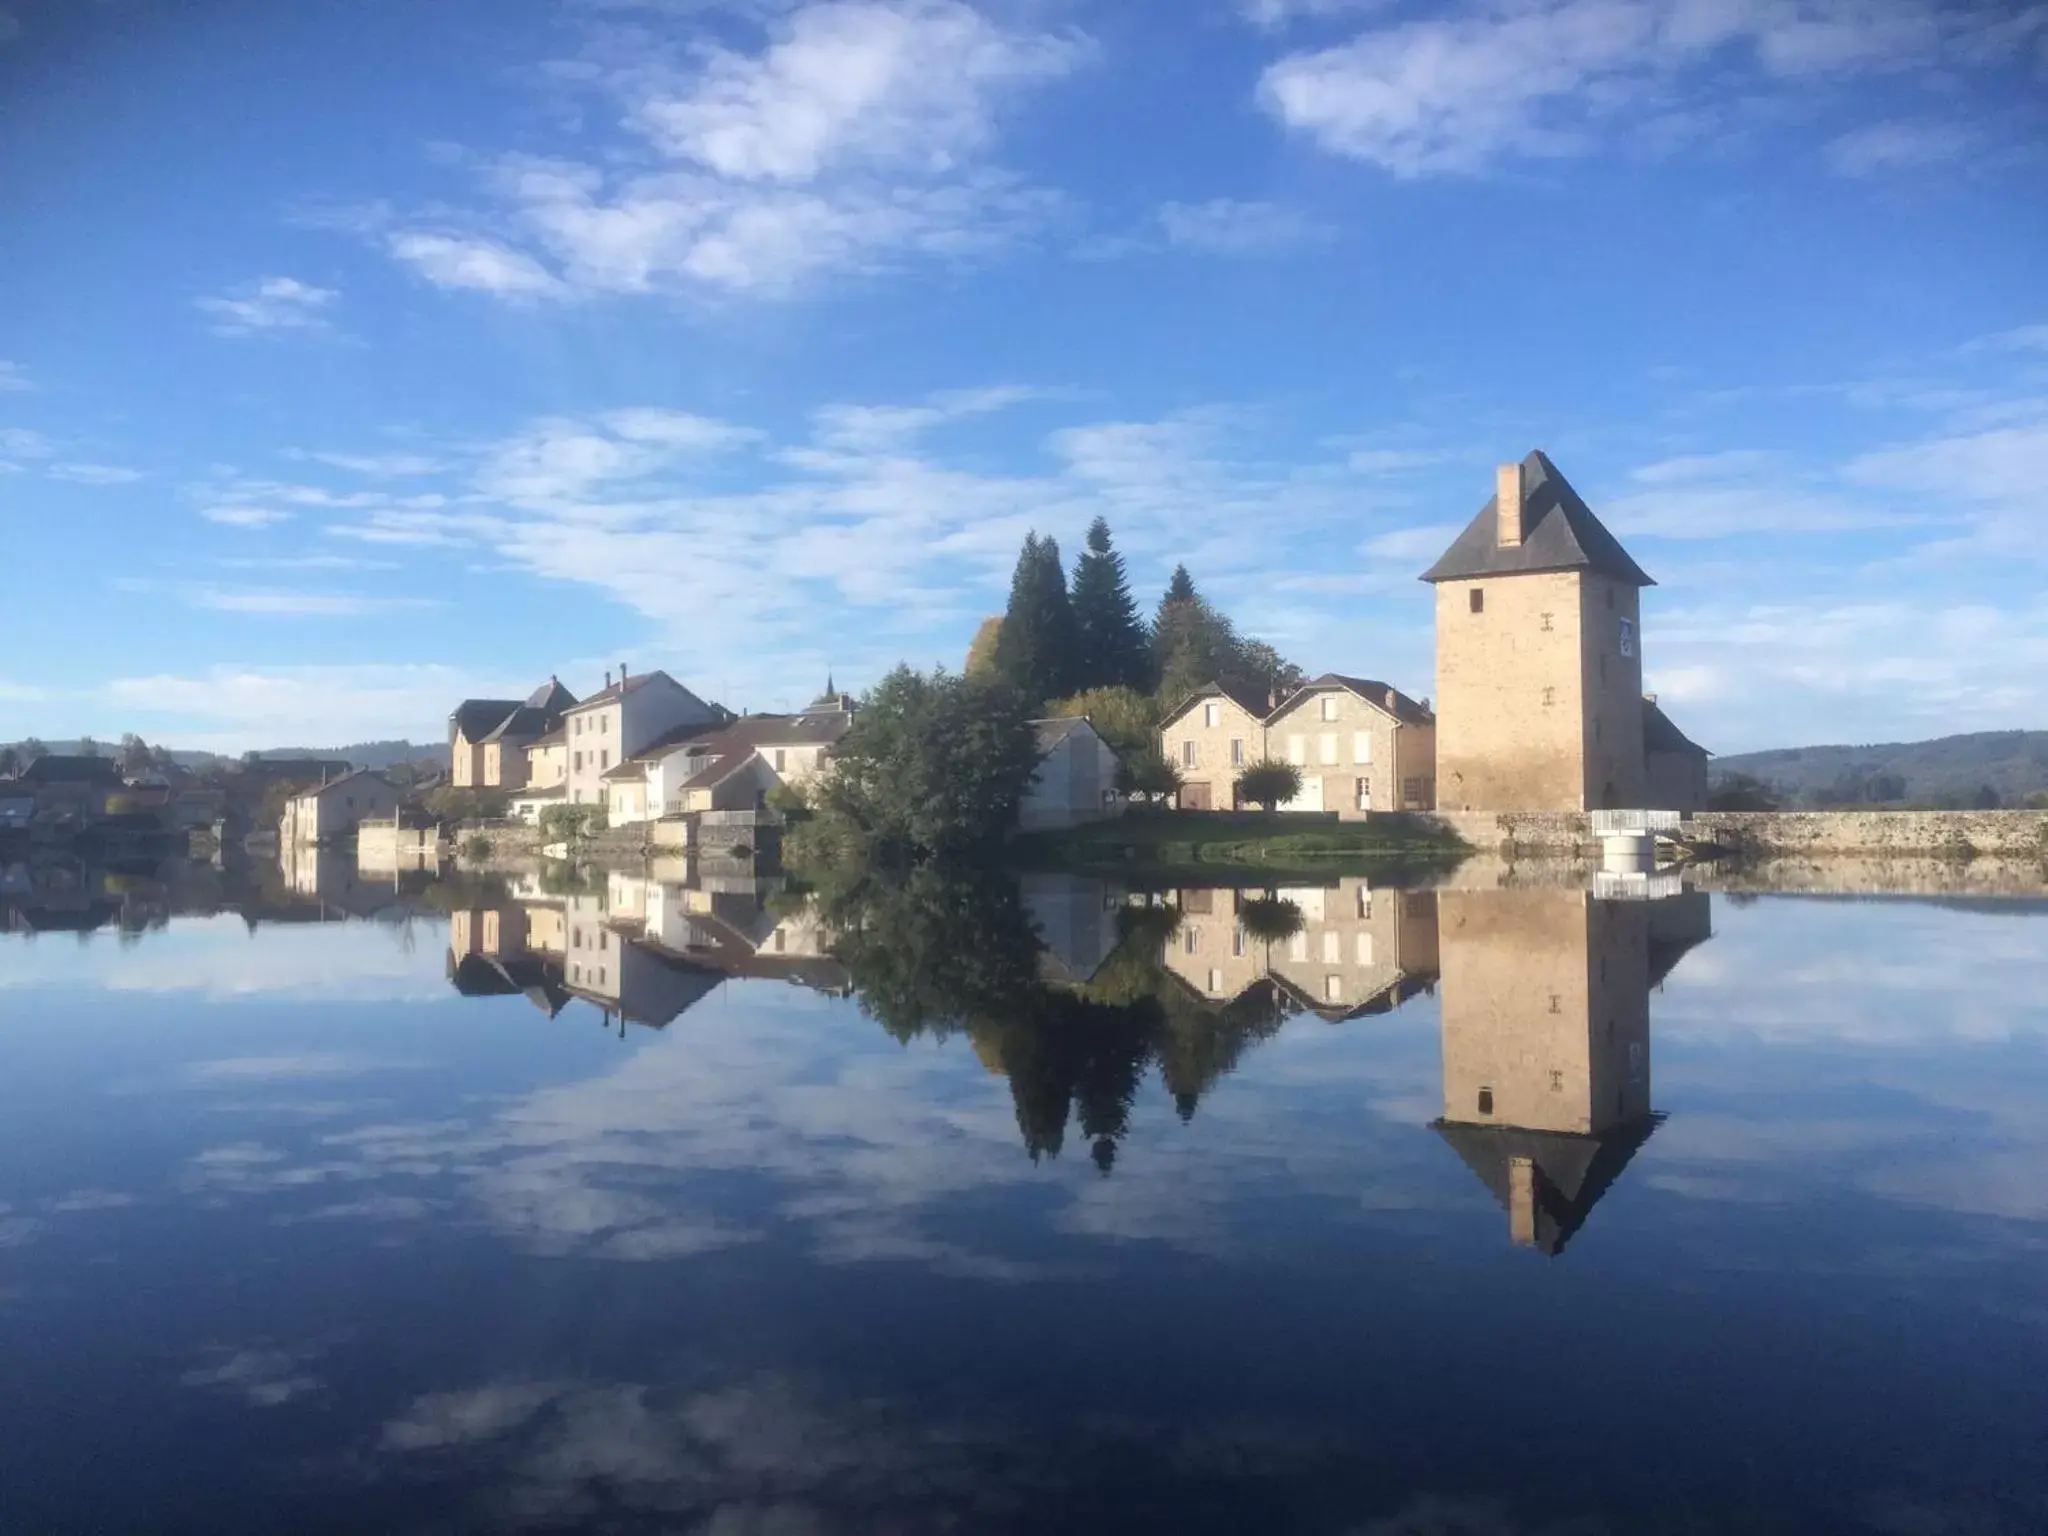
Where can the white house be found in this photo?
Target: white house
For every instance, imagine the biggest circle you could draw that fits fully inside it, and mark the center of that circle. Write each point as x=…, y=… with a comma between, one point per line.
x=621, y=722
x=337, y=808
x=1075, y=781
x=727, y=769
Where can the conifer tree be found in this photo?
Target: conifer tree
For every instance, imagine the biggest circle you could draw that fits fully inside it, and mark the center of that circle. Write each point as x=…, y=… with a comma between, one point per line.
x=1035, y=653
x=1113, y=649
x=1192, y=644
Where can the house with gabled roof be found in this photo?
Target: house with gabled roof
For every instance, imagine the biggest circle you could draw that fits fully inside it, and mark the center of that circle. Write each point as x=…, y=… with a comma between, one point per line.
x=329, y=812
x=730, y=768
x=1674, y=765
x=623, y=720
x=1212, y=736
x=488, y=739
x=1075, y=779
x=1361, y=745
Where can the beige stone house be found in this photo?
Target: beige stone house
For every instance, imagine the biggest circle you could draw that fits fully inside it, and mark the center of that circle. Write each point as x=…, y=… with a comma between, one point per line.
x=329, y=812
x=1361, y=746
x=1212, y=737
x=489, y=739
x=1539, y=655
x=732, y=767
x=624, y=720
x=1546, y=1042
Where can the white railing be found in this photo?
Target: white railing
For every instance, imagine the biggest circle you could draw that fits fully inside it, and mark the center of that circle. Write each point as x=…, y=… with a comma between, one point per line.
x=761, y=818
x=1621, y=823
x=1610, y=885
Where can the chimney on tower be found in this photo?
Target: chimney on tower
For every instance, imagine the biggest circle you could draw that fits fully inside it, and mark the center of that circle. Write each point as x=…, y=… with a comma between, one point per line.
x=1508, y=492
x=1393, y=698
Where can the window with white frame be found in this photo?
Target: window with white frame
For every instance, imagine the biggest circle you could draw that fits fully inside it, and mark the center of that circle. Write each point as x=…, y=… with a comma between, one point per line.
x=1187, y=754
x=1364, y=789
x=1297, y=750
x=1329, y=706
x=1236, y=752
x=1326, y=748
x=1333, y=989
x=1210, y=715
x=1361, y=746
x=1365, y=949
x=1333, y=947
x=1297, y=947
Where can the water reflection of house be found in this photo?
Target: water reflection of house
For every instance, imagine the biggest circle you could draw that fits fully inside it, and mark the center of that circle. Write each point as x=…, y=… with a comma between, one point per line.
x=1546, y=1042
x=644, y=951
x=1358, y=950
x=1075, y=919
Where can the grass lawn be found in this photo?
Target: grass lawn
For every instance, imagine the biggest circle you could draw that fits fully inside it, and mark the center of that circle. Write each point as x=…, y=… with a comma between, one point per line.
x=1158, y=846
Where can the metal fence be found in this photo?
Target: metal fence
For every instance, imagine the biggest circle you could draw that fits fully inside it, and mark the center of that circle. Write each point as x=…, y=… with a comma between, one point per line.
x=1605, y=822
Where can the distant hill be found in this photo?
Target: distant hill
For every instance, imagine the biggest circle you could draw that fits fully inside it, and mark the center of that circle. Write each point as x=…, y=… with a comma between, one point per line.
x=363, y=754
x=1950, y=770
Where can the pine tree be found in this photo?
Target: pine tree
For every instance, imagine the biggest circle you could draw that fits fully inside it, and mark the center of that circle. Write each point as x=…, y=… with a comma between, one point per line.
x=1113, y=649
x=1193, y=645
x=1035, y=652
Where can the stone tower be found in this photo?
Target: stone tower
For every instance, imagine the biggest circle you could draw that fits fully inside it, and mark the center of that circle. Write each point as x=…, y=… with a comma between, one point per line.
x=1539, y=658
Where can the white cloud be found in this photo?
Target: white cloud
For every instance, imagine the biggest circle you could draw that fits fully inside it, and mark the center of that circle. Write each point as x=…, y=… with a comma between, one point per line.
x=909, y=84
x=851, y=141
x=94, y=474
x=1227, y=227
x=304, y=1067
x=282, y=602
x=244, y=517
x=453, y=261
x=264, y=1378
x=1498, y=82
x=21, y=443
x=267, y=305
x=233, y=708
x=379, y=466
x=14, y=378
x=1899, y=146
x=2009, y=465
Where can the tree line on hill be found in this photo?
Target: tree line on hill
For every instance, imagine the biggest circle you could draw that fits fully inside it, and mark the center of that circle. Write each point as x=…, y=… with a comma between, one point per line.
x=1984, y=770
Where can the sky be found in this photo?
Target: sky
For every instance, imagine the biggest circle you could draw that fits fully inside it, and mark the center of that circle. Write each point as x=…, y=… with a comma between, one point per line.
x=357, y=356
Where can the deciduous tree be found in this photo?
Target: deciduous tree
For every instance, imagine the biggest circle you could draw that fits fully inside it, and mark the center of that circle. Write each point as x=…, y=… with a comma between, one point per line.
x=1269, y=783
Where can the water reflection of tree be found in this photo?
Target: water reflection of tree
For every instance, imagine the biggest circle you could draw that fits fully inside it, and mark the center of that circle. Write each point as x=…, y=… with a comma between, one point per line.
x=935, y=952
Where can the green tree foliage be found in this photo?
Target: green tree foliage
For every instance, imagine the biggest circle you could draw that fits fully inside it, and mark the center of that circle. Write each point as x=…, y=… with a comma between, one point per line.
x=87, y=747
x=933, y=767
x=1740, y=792
x=451, y=804
x=1036, y=650
x=1195, y=644
x=569, y=823
x=1125, y=718
x=1147, y=773
x=10, y=761
x=1268, y=783
x=134, y=755
x=1113, y=648
x=981, y=652
x=1269, y=919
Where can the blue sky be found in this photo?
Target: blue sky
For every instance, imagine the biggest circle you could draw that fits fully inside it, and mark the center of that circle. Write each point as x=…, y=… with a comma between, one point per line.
x=357, y=357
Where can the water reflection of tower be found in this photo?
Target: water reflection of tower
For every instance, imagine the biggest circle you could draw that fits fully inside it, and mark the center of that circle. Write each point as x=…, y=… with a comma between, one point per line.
x=1546, y=1042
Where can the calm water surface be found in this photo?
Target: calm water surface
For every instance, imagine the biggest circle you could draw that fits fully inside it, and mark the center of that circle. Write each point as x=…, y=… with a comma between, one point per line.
x=658, y=1206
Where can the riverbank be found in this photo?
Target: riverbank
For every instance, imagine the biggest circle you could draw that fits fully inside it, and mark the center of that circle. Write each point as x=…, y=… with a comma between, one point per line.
x=1159, y=847
x=2021, y=835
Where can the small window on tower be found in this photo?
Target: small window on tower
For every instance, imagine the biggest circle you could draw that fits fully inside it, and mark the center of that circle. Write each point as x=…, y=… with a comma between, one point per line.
x=1478, y=598
x=1549, y=697
x=1486, y=1101
x=1546, y=624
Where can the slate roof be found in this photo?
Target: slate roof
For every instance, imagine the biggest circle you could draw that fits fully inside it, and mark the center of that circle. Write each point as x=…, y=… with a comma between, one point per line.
x=1380, y=695
x=63, y=768
x=1660, y=735
x=346, y=778
x=1251, y=703
x=620, y=689
x=1559, y=533
x=1050, y=733
x=523, y=721
x=1573, y=1171
x=475, y=719
x=551, y=698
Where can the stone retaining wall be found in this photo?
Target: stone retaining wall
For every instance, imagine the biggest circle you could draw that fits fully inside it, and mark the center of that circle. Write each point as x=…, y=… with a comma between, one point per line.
x=1908, y=834
x=1946, y=834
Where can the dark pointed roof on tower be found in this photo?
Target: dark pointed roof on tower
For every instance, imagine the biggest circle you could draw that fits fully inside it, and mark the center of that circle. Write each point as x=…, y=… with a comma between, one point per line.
x=1573, y=1171
x=1560, y=533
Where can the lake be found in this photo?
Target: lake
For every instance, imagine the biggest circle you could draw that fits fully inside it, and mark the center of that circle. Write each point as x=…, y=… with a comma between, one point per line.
x=621, y=1203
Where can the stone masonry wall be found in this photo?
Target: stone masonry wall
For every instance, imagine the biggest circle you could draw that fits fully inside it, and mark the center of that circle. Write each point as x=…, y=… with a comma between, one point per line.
x=1910, y=834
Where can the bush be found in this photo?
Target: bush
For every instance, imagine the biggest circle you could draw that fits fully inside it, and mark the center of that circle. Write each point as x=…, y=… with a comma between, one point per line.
x=571, y=823
x=1268, y=784
x=477, y=848
x=1269, y=919
x=450, y=804
x=1740, y=792
x=1147, y=773
x=790, y=800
